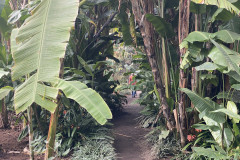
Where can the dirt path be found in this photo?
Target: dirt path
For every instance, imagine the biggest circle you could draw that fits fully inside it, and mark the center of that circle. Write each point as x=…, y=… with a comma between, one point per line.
x=130, y=143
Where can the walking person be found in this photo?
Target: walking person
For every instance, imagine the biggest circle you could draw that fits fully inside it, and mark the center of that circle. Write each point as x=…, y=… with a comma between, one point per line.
x=132, y=82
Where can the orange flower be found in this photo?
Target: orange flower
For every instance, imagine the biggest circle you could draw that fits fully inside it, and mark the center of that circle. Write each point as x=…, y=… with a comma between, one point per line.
x=64, y=112
x=191, y=137
x=198, y=130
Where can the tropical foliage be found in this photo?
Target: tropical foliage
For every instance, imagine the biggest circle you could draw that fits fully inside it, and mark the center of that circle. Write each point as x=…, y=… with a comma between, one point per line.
x=66, y=61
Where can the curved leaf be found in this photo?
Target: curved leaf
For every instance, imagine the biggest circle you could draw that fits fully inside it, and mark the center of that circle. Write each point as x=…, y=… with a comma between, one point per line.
x=42, y=42
x=5, y=91
x=205, y=106
x=14, y=45
x=222, y=14
x=3, y=73
x=162, y=27
x=86, y=98
x=236, y=86
x=227, y=36
x=221, y=4
x=232, y=25
x=232, y=62
x=198, y=36
x=229, y=112
x=208, y=66
x=233, y=108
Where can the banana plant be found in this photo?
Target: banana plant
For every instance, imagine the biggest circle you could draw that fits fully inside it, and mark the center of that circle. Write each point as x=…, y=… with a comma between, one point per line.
x=215, y=117
x=224, y=60
x=40, y=47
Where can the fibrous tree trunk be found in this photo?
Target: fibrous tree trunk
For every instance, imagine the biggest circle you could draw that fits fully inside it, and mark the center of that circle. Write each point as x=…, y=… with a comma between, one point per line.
x=183, y=30
x=140, y=8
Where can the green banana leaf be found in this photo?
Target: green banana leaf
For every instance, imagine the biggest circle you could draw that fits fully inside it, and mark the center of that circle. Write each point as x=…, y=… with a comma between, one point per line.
x=5, y=91
x=221, y=4
x=41, y=44
x=227, y=36
x=208, y=66
x=205, y=106
x=232, y=59
x=86, y=98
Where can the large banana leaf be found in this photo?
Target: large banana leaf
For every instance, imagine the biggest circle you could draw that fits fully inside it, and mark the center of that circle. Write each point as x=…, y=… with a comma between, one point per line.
x=223, y=35
x=227, y=36
x=225, y=4
x=232, y=63
x=5, y=91
x=42, y=43
x=198, y=36
x=219, y=59
x=205, y=106
x=14, y=45
x=86, y=98
x=208, y=66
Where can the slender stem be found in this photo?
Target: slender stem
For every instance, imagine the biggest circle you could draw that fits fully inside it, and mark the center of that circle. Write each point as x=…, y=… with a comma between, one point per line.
x=52, y=134
x=222, y=141
x=172, y=74
x=223, y=90
x=30, y=131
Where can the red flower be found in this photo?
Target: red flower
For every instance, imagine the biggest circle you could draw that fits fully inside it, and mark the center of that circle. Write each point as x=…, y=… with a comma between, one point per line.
x=191, y=137
x=198, y=130
x=64, y=112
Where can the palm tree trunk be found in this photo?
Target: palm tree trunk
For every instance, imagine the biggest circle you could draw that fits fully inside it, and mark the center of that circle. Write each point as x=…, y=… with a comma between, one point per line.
x=147, y=32
x=183, y=30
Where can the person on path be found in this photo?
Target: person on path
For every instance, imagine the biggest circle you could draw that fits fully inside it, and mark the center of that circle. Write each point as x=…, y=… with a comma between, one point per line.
x=132, y=82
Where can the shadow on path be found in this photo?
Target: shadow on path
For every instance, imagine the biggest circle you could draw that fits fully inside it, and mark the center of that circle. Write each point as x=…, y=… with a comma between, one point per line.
x=130, y=143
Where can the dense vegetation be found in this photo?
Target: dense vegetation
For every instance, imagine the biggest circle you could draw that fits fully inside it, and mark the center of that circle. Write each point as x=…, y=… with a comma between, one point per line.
x=63, y=66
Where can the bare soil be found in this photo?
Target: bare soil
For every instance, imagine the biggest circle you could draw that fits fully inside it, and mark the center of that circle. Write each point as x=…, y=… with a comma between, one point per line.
x=10, y=148
x=130, y=142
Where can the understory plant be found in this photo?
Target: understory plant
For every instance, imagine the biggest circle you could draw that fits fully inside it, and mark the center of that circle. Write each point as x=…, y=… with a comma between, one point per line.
x=76, y=130
x=165, y=144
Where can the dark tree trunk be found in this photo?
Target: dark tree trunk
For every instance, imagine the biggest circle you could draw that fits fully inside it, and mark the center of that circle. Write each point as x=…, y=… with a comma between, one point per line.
x=140, y=8
x=183, y=30
x=4, y=115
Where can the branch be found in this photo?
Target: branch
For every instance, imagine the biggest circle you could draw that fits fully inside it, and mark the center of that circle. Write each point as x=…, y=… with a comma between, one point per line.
x=110, y=19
